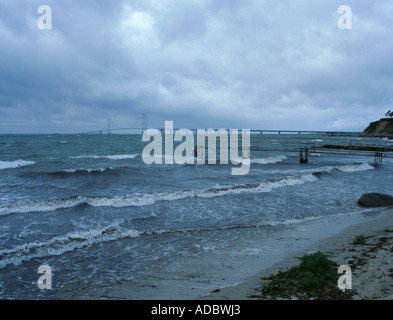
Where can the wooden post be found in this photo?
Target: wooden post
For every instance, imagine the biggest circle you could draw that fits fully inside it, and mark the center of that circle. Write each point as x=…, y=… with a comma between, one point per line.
x=303, y=157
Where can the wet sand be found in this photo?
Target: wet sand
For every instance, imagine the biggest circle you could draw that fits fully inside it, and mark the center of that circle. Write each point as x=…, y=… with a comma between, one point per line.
x=371, y=264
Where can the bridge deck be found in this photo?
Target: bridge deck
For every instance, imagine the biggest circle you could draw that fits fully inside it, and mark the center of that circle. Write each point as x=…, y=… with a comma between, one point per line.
x=321, y=142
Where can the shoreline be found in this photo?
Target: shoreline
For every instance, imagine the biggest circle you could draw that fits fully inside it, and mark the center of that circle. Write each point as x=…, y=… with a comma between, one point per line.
x=371, y=263
x=330, y=235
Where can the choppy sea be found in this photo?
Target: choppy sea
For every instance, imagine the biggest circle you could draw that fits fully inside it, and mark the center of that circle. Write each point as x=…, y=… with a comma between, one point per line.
x=92, y=210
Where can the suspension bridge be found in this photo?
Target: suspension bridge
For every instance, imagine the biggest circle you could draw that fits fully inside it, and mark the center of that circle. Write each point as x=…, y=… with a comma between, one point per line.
x=303, y=142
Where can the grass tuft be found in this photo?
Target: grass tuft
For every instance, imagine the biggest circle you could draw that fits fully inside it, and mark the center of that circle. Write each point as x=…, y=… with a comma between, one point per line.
x=315, y=277
x=360, y=240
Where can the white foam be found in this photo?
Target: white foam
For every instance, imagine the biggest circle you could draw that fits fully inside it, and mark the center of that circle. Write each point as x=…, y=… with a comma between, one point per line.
x=142, y=199
x=64, y=243
x=110, y=157
x=288, y=221
x=15, y=164
x=121, y=156
x=269, y=160
x=328, y=169
x=355, y=167
x=41, y=206
x=87, y=170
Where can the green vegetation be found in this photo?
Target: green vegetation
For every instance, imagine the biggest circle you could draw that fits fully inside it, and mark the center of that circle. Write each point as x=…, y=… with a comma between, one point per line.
x=315, y=277
x=359, y=240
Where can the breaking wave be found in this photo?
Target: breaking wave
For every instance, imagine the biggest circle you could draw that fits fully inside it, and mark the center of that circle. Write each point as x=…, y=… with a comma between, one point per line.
x=110, y=157
x=87, y=237
x=80, y=172
x=83, y=171
x=269, y=160
x=64, y=243
x=143, y=199
x=15, y=164
x=355, y=167
x=87, y=170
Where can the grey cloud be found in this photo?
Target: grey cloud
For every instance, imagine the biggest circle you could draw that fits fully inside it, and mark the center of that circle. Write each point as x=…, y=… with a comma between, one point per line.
x=256, y=64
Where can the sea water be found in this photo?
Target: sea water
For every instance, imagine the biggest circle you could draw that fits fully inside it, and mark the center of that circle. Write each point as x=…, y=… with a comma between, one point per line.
x=88, y=207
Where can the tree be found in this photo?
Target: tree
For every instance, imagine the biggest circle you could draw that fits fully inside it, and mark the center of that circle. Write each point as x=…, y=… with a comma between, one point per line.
x=389, y=114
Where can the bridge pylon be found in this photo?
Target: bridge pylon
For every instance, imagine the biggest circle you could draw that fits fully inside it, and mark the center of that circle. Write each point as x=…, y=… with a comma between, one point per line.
x=144, y=122
x=108, y=126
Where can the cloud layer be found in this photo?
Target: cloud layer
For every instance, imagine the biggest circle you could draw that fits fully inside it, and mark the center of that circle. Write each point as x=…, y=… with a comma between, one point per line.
x=201, y=63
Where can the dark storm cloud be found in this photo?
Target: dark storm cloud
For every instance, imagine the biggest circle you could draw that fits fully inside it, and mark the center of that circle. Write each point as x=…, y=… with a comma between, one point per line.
x=241, y=64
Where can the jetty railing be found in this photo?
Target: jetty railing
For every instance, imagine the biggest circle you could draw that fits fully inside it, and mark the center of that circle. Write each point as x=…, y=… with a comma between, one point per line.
x=306, y=145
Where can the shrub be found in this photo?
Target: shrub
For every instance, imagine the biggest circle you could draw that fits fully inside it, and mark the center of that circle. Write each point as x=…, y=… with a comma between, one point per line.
x=315, y=269
x=359, y=240
x=316, y=276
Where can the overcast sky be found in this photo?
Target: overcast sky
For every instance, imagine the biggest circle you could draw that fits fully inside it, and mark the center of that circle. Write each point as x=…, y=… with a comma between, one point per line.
x=245, y=64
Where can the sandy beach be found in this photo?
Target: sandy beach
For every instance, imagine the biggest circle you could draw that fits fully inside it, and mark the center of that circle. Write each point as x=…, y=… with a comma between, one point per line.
x=371, y=263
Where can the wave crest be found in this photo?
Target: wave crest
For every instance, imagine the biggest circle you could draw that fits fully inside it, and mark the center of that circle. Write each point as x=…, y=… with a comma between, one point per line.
x=269, y=160
x=15, y=164
x=64, y=243
x=110, y=157
x=143, y=199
